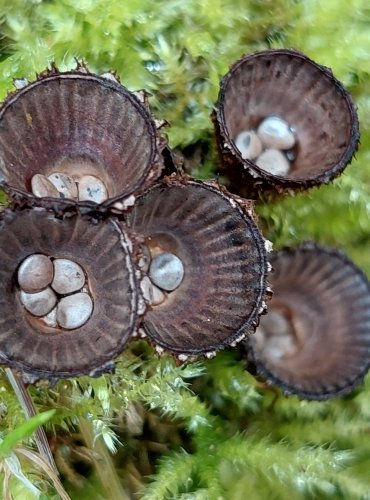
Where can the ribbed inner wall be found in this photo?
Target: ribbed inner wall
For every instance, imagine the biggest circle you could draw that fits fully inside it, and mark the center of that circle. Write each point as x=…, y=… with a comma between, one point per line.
x=297, y=91
x=97, y=249
x=78, y=119
x=330, y=301
x=223, y=255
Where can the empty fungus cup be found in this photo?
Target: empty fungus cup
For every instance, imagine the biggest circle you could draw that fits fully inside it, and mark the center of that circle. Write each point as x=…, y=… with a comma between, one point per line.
x=315, y=339
x=217, y=264
x=84, y=134
x=310, y=119
x=87, y=322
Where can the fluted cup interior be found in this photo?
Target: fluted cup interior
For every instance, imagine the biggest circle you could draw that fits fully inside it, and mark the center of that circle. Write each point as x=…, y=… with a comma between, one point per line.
x=287, y=84
x=315, y=339
x=103, y=253
x=77, y=124
x=225, y=266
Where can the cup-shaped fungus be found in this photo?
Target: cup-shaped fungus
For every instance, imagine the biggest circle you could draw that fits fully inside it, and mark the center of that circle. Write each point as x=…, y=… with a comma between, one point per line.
x=315, y=339
x=69, y=296
x=284, y=122
x=78, y=136
x=205, y=264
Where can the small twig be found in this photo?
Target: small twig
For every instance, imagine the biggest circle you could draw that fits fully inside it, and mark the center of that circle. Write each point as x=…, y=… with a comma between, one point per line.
x=49, y=471
x=104, y=466
x=29, y=410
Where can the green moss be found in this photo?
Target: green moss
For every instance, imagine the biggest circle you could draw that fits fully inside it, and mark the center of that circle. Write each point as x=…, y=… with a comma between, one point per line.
x=226, y=433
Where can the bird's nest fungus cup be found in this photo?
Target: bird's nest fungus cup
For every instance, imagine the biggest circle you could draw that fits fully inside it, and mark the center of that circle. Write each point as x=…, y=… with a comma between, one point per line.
x=79, y=136
x=206, y=266
x=315, y=339
x=283, y=122
x=69, y=298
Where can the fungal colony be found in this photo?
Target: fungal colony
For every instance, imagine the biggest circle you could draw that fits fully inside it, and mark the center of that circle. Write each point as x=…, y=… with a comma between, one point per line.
x=105, y=238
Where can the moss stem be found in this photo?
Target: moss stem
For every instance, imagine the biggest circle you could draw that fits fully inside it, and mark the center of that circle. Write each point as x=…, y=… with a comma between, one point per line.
x=104, y=465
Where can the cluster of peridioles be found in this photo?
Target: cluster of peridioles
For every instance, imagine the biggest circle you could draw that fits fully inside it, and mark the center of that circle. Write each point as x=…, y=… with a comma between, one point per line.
x=177, y=261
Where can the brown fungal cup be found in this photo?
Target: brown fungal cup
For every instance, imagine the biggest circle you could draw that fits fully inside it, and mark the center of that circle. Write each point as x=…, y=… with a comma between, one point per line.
x=109, y=297
x=79, y=125
x=223, y=288
x=286, y=84
x=315, y=339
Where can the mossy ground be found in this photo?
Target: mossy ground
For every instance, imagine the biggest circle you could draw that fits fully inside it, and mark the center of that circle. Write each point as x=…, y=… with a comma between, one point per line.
x=206, y=430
